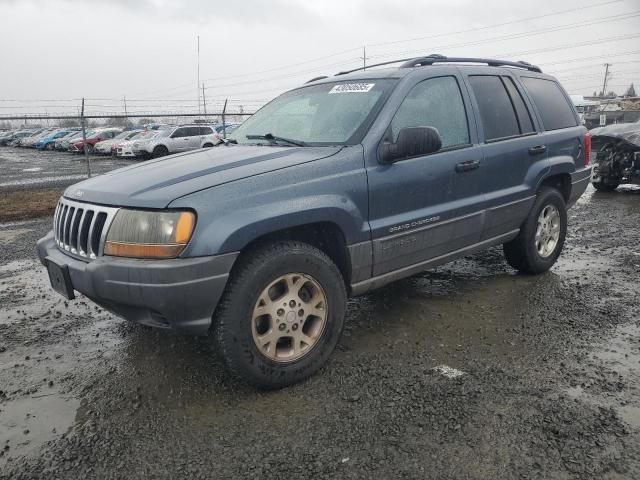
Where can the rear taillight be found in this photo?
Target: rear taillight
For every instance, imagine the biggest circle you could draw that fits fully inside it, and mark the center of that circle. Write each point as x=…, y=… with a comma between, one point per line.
x=587, y=148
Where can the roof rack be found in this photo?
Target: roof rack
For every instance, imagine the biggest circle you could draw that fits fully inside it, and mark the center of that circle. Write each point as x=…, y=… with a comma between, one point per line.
x=431, y=59
x=435, y=58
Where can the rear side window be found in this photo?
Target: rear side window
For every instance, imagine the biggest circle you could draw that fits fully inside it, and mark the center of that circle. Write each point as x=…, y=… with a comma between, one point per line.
x=555, y=110
x=206, y=131
x=437, y=103
x=193, y=131
x=496, y=110
x=524, y=117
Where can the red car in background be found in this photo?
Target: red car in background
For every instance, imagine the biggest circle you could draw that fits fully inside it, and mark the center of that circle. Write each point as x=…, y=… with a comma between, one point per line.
x=97, y=136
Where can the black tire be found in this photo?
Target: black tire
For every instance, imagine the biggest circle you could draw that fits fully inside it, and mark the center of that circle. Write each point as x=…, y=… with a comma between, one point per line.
x=522, y=252
x=207, y=145
x=605, y=187
x=160, y=151
x=233, y=318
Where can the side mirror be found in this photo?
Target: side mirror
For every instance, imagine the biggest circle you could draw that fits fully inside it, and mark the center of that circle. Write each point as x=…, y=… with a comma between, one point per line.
x=412, y=142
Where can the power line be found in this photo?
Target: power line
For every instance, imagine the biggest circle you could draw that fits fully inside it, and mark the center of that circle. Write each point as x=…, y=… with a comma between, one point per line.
x=495, y=25
x=514, y=36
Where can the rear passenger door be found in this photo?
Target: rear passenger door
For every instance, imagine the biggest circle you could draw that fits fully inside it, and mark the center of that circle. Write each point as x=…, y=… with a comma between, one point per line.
x=514, y=153
x=427, y=206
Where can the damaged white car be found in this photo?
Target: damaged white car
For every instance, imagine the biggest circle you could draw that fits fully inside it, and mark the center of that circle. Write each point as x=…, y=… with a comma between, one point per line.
x=618, y=155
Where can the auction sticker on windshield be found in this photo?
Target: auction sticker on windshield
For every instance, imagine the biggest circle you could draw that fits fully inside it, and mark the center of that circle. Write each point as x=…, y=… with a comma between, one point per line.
x=352, y=88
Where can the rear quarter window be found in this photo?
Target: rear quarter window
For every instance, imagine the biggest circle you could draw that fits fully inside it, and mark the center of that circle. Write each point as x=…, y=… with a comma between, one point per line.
x=554, y=108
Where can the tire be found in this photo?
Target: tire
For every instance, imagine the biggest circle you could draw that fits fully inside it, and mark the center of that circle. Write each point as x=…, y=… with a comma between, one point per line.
x=605, y=187
x=89, y=148
x=160, y=151
x=526, y=253
x=49, y=147
x=239, y=329
x=207, y=145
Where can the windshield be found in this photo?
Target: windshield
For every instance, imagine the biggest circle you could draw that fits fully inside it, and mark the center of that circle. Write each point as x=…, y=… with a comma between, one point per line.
x=165, y=132
x=327, y=114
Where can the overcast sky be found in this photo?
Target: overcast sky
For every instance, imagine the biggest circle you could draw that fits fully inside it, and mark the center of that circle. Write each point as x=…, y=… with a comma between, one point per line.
x=251, y=50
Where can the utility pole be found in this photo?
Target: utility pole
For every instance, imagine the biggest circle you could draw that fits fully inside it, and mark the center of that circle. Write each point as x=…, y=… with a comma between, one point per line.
x=606, y=76
x=198, y=84
x=124, y=101
x=364, y=57
x=84, y=140
x=204, y=100
x=224, y=122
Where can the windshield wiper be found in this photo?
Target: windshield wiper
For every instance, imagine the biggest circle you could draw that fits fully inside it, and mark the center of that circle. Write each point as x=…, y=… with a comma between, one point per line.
x=273, y=138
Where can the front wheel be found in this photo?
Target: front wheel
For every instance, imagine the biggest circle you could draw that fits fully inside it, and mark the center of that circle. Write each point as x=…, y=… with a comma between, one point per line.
x=281, y=315
x=160, y=151
x=542, y=235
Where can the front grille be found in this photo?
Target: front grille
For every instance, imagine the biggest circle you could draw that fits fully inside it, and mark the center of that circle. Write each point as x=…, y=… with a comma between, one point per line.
x=80, y=228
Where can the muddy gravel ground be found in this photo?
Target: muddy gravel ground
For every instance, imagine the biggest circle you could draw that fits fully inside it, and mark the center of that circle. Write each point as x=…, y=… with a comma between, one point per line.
x=26, y=168
x=470, y=371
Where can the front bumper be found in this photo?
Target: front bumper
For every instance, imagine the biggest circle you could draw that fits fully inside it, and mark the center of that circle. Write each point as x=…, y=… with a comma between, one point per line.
x=125, y=152
x=178, y=294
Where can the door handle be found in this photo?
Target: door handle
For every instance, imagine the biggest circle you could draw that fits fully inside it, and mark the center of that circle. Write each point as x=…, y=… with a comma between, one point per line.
x=467, y=166
x=537, y=150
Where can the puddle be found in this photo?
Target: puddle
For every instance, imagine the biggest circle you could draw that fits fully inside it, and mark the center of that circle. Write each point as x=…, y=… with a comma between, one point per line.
x=10, y=235
x=620, y=355
x=29, y=423
x=49, y=348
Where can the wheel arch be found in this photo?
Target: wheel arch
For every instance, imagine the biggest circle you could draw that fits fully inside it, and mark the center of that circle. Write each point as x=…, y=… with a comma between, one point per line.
x=326, y=236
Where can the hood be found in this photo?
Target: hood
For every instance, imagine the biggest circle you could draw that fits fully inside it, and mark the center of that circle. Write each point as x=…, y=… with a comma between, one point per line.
x=626, y=132
x=156, y=183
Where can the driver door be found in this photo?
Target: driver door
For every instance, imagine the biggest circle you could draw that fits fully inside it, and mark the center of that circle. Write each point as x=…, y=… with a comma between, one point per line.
x=427, y=206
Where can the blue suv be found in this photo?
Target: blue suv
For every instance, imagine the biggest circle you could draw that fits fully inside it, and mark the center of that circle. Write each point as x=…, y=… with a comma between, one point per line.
x=331, y=190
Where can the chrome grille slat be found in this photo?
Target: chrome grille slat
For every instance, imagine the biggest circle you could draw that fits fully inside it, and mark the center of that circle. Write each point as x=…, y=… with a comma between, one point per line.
x=90, y=251
x=72, y=223
x=72, y=233
x=79, y=233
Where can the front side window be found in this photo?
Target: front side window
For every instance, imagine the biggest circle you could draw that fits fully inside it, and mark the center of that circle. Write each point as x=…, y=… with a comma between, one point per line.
x=437, y=103
x=180, y=132
x=337, y=113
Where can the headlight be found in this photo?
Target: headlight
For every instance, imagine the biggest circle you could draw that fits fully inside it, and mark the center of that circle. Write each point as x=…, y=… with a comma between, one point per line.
x=147, y=234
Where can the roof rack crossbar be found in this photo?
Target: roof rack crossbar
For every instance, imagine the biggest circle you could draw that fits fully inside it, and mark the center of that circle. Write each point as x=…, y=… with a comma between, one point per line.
x=431, y=59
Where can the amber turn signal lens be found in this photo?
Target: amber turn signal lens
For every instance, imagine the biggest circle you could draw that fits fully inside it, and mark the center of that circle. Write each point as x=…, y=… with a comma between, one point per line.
x=184, y=227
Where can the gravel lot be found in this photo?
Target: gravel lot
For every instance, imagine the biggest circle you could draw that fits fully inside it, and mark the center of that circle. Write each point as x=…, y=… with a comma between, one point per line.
x=32, y=181
x=538, y=376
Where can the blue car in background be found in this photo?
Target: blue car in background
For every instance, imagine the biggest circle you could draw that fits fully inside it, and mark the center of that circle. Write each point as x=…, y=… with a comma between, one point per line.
x=48, y=141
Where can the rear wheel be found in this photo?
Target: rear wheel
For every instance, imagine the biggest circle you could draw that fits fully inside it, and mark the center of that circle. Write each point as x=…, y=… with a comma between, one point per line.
x=160, y=151
x=281, y=315
x=542, y=235
x=49, y=146
x=207, y=145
